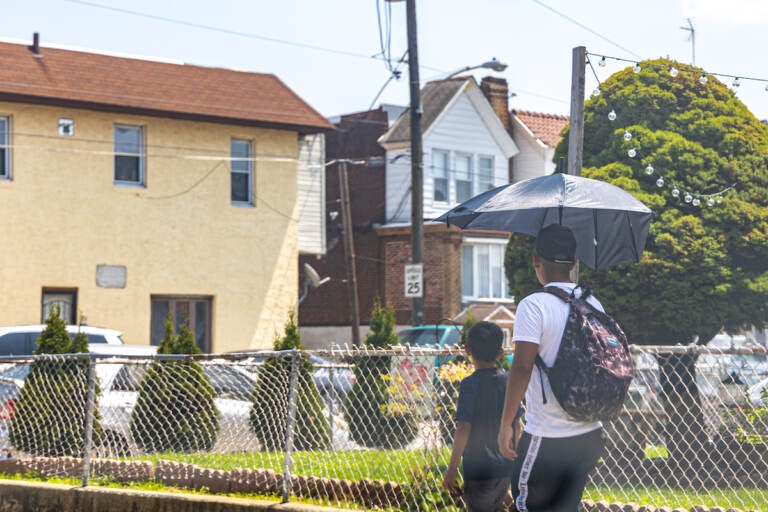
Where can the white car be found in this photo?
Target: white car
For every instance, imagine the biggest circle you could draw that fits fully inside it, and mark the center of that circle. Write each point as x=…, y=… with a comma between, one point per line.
x=21, y=340
x=120, y=374
x=758, y=393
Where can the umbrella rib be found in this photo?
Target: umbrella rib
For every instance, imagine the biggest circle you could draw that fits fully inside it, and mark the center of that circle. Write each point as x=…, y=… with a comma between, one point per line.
x=632, y=232
x=596, y=240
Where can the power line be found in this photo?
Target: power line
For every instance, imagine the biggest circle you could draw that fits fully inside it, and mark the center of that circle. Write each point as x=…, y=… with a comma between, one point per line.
x=581, y=25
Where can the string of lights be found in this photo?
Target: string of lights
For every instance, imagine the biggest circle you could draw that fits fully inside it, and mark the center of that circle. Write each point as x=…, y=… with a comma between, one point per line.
x=677, y=190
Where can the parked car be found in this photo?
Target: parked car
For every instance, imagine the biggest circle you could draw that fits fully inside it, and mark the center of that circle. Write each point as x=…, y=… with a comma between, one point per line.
x=119, y=381
x=431, y=336
x=333, y=380
x=758, y=393
x=21, y=340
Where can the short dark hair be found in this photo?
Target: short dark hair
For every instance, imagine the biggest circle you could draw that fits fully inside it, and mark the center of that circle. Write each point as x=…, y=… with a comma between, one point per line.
x=484, y=340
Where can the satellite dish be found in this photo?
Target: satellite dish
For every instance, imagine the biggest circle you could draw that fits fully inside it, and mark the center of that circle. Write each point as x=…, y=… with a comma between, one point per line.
x=313, y=277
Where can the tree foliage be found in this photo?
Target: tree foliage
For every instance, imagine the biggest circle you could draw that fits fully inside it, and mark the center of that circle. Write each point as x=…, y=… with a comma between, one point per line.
x=176, y=408
x=705, y=268
x=50, y=415
x=271, y=398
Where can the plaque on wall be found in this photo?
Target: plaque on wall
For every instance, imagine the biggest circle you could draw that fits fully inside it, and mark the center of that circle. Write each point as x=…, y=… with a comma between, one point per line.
x=111, y=276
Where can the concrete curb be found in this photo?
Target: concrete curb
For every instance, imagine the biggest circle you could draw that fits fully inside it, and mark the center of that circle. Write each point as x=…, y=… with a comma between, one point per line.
x=18, y=496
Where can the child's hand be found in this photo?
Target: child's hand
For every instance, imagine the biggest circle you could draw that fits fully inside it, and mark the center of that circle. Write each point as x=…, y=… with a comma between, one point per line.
x=451, y=483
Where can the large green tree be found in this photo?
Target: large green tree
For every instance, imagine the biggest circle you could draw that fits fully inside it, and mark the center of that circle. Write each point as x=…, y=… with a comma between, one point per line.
x=705, y=265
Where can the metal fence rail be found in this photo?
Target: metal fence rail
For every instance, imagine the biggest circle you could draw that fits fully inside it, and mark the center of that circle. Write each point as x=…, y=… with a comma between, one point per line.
x=366, y=428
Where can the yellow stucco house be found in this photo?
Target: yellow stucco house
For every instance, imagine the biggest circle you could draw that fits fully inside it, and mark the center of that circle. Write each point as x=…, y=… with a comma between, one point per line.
x=133, y=188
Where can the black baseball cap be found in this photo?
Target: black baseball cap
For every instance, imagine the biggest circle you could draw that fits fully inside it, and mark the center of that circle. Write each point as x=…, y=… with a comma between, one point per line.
x=557, y=244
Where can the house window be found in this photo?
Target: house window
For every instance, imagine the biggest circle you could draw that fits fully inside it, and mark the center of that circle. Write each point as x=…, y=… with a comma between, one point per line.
x=241, y=152
x=5, y=148
x=484, y=174
x=194, y=310
x=440, y=173
x=65, y=299
x=463, y=177
x=482, y=271
x=129, y=155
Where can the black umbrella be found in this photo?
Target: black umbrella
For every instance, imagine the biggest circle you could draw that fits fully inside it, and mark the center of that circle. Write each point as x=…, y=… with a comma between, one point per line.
x=609, y=224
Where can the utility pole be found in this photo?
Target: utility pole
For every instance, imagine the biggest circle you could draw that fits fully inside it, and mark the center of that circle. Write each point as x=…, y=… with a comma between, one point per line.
x=576, y=130
x=692, y=39
x=417, y=170
x=349, y=252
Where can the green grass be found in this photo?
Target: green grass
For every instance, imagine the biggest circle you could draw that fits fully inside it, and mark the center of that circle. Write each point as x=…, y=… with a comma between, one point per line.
x=745, y=498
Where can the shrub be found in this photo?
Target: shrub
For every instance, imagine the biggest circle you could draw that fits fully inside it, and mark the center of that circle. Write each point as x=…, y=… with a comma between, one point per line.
x=51, y=410
x=176, y=408
x=378, y=413
x=271, y=395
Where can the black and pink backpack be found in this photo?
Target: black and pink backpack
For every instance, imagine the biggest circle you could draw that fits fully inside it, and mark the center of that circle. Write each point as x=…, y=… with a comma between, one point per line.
x=593, y=369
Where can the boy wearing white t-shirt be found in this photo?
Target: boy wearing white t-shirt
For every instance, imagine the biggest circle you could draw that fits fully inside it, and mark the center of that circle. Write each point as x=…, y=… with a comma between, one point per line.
x=555, y=455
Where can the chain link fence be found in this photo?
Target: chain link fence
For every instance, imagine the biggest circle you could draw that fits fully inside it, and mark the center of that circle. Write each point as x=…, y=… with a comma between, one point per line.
x=357, y=428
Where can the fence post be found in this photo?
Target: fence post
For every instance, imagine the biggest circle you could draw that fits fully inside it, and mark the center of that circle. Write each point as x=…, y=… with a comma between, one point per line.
x=90, y=405
x=290, y=424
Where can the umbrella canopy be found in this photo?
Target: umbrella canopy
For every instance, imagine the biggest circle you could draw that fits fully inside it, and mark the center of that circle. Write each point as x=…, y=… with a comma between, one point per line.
x=609, y=224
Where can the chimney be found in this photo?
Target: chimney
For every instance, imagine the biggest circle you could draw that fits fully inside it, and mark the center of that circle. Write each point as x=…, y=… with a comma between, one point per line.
x=35, y=48
x=496, y=91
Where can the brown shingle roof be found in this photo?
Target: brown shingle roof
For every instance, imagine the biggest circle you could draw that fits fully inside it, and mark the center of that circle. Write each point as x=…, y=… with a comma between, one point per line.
x=103, y=82
x=546, y=127
x=434, y=97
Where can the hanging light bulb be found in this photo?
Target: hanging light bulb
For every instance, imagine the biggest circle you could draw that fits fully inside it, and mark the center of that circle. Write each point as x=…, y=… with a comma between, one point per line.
x=675, y=192
x=660, y=182
x=612, y=115
x=766, y=86
x=649, y=169
x=637, y=67
x=703, y=79
x=673, y=71
x=696, y=201
x=711, y=201
x=596, y=91
x=719, y=199
x=736, y=82
x=627, y=135
x=688, y=198
x=632, y=153
x=602, y=62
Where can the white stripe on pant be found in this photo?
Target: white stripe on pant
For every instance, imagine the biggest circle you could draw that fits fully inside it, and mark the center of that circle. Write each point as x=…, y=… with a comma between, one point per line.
x=525, y=473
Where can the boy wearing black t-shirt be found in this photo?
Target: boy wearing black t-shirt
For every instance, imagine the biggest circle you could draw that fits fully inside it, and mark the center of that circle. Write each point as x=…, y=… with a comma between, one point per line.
x=478, y=414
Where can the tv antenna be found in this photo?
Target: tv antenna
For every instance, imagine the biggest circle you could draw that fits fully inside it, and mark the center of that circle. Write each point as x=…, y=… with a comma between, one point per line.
x=691, y=38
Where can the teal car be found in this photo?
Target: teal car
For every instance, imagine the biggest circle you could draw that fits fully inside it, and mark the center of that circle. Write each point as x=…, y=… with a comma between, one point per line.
x=431, y=336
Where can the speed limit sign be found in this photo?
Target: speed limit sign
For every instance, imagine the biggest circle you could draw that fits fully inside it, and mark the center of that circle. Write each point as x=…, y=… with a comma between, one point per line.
x=414, y=278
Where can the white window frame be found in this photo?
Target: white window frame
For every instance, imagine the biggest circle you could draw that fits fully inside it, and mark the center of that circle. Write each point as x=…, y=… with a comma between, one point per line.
x=441, y=174
x=485, y=183
x=474, y=295
x=244, y=166
x=140, y=154
x=5, y=144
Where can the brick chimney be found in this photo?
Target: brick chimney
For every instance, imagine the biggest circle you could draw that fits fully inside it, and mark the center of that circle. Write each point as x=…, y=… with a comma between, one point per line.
x=496, y=91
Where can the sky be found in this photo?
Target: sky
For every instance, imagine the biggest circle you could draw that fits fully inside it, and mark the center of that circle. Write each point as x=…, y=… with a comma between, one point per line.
x=330, y=52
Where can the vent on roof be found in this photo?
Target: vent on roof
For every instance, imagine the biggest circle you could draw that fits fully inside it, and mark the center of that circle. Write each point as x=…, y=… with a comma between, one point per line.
x=35, y=48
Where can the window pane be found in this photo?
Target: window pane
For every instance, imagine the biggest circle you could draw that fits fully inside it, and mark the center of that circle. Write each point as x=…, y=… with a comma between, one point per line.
x=467, y=274
x=3, y=169
x=181, y=314
x=159, y=314
x=484, y=174
x=440, y=172
x=240, y=187
x=463, y=174
x=201, y=325
x=241, y=149
x=127, y=168
x=4, y=152
x=483, y=271
x=128, y=139
x=496, y=271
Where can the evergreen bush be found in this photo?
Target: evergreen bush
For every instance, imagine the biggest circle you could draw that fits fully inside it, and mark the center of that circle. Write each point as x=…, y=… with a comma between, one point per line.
x=271, y=395
x=51, y=410
x=378, y=414
x=176, y=408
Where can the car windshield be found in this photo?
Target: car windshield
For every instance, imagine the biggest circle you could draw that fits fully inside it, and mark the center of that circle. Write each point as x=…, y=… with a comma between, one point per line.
x=225, y=380
x=17, y=372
